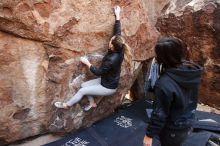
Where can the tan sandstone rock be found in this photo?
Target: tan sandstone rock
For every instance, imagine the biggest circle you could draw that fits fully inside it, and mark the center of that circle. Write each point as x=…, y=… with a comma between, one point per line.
x=197, y=23
x=22, y=87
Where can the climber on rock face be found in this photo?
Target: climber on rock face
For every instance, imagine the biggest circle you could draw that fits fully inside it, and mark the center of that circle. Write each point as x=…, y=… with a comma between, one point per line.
x=108, y=72
x=176, y=92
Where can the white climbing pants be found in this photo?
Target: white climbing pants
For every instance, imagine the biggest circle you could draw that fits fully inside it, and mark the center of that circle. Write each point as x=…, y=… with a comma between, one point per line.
x=90, y=88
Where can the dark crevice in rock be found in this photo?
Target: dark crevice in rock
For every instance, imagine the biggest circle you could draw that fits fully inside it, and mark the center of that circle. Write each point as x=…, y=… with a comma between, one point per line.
x=22, y=114
x=7, y=11
x=137, y=89
x=2, y=142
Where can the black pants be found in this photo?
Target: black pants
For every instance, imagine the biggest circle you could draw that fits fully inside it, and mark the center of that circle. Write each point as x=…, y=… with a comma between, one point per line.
x=173, y=137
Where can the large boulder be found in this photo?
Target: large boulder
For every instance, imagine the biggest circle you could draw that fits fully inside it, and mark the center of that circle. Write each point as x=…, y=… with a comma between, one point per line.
x=40, y=45
x=197, y=22
x=22, y=88
x=154, y=9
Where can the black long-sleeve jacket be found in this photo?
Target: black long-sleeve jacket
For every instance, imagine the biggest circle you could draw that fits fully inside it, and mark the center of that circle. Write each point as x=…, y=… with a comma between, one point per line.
x=176, y=94
x=110, y=68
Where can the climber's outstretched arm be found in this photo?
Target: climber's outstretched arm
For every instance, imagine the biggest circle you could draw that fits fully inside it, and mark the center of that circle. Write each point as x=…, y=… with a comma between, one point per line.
x=117, y=26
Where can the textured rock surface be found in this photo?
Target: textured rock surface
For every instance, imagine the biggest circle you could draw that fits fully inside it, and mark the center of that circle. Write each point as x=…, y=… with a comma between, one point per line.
x=46, y=34
x=156, y=8
x=197, y=22
x=22, y=88
x=57, y=22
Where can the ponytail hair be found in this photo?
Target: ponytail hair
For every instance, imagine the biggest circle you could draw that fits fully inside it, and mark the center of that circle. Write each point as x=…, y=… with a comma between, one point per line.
x=127, y=54
x=120, y=46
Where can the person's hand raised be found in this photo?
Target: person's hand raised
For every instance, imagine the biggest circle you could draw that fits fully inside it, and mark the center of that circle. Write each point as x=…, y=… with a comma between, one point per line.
x=117, y=11
x=84, y=60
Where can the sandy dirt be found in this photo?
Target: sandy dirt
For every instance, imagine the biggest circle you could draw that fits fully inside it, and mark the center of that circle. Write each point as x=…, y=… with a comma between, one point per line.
x=38, y=141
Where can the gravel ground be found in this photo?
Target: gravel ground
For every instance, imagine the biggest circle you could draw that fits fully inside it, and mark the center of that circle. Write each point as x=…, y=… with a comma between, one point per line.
x=206, y=108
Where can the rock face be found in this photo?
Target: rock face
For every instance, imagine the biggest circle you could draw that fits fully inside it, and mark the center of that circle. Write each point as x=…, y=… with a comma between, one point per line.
x=156, y=8
x=197, y=22
x=40, y=45
x=22, y=87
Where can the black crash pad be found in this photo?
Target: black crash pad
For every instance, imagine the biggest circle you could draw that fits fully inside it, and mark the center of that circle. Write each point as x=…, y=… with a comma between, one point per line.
x=126, y=127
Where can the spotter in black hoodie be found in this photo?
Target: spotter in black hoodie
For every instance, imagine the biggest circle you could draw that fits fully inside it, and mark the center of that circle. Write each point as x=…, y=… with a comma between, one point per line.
x=176, y=94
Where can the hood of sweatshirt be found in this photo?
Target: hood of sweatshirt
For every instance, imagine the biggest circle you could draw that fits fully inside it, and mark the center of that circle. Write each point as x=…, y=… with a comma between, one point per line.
x=187, y=75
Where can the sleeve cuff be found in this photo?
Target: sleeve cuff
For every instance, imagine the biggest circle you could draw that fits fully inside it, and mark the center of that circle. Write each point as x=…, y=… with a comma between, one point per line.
x=149, y=135
x=91, y=68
